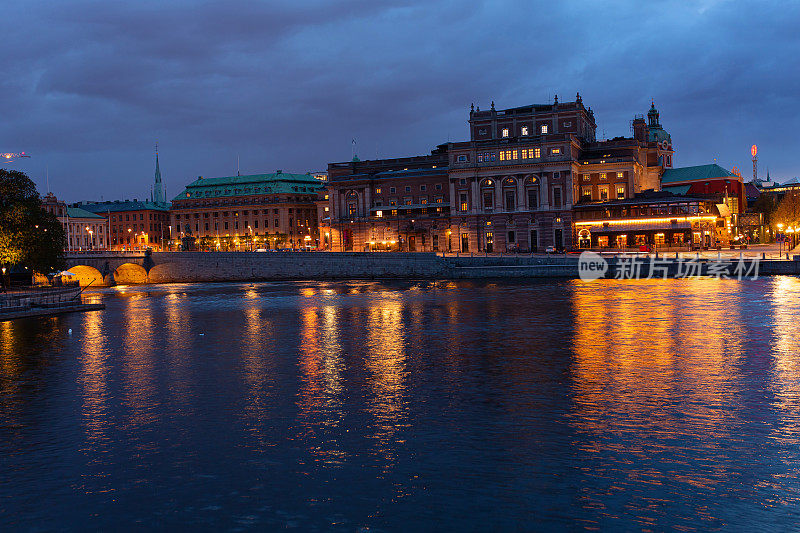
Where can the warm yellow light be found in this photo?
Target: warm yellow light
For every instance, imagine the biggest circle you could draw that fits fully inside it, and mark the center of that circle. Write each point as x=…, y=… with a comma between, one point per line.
x=644, y=220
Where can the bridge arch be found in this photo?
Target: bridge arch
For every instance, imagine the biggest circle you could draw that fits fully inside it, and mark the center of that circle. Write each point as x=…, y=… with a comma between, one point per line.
x=87, y=275
x=162, y=273
x=130, y=274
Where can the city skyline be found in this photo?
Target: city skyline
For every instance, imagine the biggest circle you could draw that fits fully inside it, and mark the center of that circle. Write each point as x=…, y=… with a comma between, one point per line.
x=288, y=87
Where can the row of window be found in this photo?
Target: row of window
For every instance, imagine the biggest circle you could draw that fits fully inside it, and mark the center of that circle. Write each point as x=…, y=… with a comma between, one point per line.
x=639, y=211
x=510, y=198
x=150, y=216
x=217, y=226
x=394, y=212
x=246, y=212
x=409, y=200
x=393, y=190
x=602, y=192
x=237, y=192
x=124, y=228
x=508, y=155
x=603, y=175
x=544, y=129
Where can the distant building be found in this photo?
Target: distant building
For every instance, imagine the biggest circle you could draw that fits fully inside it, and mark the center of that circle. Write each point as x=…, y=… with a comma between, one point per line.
x=276, y=210
x=133, y=224
x=84, y=230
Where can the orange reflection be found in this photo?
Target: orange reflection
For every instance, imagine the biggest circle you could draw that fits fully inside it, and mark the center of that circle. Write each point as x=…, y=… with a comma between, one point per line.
x=645, y=354
x=386, y=361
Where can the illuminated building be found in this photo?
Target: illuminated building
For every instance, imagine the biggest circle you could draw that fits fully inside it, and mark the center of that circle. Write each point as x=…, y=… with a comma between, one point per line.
x=658, y=219
x=512, y=186
x=390, y=204
x=516, y=181
x=133, y=224
x=261, y=211
x=84, y=230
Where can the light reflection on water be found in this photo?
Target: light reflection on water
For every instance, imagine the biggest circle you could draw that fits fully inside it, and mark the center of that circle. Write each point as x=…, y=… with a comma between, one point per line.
x=337, y=406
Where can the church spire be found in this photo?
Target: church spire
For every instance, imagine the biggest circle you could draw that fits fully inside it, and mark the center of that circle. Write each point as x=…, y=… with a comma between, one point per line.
x=158, y=194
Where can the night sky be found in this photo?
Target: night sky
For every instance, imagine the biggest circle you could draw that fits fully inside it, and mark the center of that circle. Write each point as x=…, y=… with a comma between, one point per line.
x=88, y=88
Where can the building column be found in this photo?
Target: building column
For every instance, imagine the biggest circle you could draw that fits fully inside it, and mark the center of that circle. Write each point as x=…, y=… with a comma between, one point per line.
x=475, y=188
x=521, y=200
x=544, y=192
x=453, y=200
x=499, y=202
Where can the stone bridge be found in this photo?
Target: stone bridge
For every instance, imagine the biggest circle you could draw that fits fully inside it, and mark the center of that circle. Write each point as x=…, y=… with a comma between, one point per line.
x=102, y=269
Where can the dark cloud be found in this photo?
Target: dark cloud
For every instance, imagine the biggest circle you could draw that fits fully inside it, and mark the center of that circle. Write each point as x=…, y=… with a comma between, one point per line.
x=88, y=87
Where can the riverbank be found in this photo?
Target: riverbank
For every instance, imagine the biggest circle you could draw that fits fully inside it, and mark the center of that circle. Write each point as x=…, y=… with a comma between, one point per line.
x=44, y=301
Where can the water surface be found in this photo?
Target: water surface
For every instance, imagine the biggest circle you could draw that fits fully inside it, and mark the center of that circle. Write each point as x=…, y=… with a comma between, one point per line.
x=636, y=405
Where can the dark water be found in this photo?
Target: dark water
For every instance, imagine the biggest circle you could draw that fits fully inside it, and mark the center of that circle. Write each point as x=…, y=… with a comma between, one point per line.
x=636, y=405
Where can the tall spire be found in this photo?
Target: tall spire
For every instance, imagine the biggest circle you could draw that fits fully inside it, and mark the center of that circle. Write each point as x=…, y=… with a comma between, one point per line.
x=158, y=194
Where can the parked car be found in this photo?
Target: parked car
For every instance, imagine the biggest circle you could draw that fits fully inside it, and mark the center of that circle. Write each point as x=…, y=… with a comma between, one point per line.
x=550, y=250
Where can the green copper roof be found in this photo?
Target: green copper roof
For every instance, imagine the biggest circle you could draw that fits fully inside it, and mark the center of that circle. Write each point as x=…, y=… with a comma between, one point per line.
x=276, y=183
x=697, y=173
x=120, y=205
x=77, y=212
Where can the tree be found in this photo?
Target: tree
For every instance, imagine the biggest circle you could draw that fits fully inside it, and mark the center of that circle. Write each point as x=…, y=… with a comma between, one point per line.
x=29, y=236
x=766, y=205
x=788, y=211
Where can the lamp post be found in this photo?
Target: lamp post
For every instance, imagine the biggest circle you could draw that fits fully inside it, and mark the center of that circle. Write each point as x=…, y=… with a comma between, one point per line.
x=780, y=242
x=89, y=231
x=251, y=237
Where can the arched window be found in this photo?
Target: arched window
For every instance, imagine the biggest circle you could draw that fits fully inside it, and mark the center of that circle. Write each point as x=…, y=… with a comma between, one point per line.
x=487, y=194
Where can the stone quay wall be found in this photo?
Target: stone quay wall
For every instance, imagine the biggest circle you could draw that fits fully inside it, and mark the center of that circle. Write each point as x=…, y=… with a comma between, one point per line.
x=183, y=267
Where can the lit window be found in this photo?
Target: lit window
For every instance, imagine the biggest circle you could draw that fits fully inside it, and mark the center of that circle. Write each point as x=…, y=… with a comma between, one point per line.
x=544, y=129
x=620, y=192
x=555, y=151
x=619, y=175
x=379, y=214
x=524, y=130
x=602, y=175
x=464, y=204
x=537, y=153
x=586, y=177
x=505, y=132
x=515, y=154
x=603, y=190
x=377, y=191
x=586, y=193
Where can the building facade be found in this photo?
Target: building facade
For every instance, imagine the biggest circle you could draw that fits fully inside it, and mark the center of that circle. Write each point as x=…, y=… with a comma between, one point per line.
x=84, y=230
x=133, y=224
x=655, y=220
x=399, y=204
x=515, y=183
x=262, y=211
x=511, y=187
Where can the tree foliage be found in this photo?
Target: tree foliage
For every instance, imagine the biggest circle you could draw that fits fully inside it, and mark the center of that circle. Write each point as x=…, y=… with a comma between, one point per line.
x=766, y=204
x=29, y=236
x=788, y=211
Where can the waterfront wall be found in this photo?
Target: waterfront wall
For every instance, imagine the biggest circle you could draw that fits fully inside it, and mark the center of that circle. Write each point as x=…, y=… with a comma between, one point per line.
x=175, y=267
